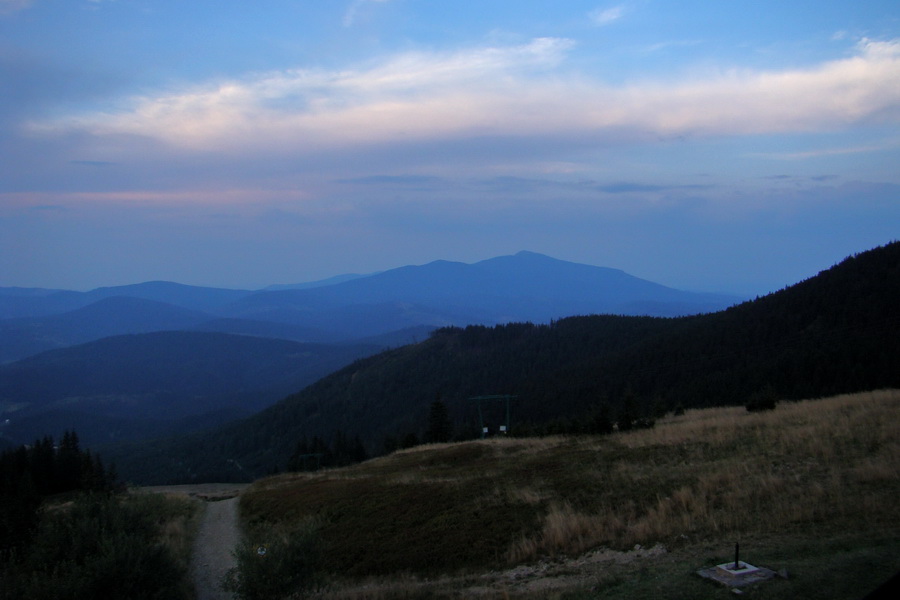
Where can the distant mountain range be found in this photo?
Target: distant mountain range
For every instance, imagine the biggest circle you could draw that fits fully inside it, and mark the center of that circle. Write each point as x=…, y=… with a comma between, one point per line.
x=130, y=387
x=524, y=287
x=833, y=333
x=137, y=361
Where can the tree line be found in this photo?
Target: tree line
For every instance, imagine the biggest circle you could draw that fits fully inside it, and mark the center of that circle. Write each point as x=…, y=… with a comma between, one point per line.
x=833, y=333
x=29, y=474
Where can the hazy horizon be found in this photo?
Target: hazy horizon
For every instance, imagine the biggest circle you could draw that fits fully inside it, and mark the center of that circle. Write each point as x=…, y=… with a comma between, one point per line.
x=704, y=146
x=336, y=278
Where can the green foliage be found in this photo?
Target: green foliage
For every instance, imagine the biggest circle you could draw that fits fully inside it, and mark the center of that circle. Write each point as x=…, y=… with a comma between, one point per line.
x=28, y=474
x=410, y=440
x=275, y=563
x=54, y=469
x=764, y=400
x=100, y=546
x=602, y=422
x=628, y=415
x=440, y=430
x=147, y=385
x=834, y=333
x=18, y=517
x=317, y=454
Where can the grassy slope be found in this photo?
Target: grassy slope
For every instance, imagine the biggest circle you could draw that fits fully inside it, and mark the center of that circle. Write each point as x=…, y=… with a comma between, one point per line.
x=811, y=486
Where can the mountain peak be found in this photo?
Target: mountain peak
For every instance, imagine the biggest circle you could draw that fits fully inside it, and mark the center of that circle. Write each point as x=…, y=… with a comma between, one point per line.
x=530, y=254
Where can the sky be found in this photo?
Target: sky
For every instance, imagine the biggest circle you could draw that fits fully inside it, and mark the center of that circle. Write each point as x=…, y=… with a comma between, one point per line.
x=713, y=146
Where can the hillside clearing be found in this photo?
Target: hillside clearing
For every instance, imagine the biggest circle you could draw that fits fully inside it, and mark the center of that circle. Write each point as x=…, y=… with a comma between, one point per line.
x=817, y=476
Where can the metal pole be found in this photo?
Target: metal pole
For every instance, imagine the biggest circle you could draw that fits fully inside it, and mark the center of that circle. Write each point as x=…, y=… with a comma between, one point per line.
x=480, y=419
x=507, y=414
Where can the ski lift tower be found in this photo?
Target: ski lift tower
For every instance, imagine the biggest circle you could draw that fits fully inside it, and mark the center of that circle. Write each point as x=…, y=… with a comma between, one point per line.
x=504, y=429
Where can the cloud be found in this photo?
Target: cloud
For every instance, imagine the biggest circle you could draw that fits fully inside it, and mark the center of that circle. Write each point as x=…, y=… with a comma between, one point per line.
x=634, y=187
x=393, y=180
x=413, y=94
x=674, y=44
x=353, y=9
x=820, y=152
x=605, y=16
x=516, y=92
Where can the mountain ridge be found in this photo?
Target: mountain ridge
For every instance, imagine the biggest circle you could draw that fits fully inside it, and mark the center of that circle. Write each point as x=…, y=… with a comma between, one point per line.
x=526, y=286
x=160, y=377
x=831, y=333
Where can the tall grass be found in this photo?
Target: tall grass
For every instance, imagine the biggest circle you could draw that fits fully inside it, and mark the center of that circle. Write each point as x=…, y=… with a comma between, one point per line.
x=816, y=467
x=832, y=464
x=276, y=562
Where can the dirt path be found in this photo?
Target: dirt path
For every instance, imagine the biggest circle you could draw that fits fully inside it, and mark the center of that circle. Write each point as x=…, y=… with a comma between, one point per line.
x=217, y=537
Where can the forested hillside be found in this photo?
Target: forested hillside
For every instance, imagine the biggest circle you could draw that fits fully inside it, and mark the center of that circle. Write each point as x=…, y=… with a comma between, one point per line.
x=832, y=333
x=28, y=474
x=343, y=309
x=137, y=386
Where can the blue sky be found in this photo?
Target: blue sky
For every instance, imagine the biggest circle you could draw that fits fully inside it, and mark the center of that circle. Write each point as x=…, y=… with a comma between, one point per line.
x=727, y=146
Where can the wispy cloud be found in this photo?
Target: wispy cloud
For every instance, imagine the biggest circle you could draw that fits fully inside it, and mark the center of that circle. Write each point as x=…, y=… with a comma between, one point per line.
x=515, y=91
x=820, y=152
x=605, y=16
x=674, y=44
x=414, y=94
x=393, y=180
x=353, y=9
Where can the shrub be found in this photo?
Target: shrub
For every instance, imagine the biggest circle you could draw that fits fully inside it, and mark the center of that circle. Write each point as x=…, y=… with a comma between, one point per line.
x=274, y=563
x=764, y=400
x=100, y=546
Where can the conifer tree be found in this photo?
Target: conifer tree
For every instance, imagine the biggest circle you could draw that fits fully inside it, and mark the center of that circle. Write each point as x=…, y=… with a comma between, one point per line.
x=439, y=427
x=628, y=414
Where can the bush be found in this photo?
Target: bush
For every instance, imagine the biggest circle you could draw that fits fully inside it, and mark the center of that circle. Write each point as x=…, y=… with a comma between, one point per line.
x=100, y=546
x=764, y=400
x=273, y=563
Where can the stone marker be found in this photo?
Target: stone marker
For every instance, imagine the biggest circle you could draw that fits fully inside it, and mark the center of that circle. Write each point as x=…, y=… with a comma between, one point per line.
x=738, y=573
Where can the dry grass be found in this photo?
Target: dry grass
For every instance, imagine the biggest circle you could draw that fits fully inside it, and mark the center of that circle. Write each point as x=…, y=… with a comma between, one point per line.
x=179, y=527
x=817, y=467
x=831, y=462
x=177, y=517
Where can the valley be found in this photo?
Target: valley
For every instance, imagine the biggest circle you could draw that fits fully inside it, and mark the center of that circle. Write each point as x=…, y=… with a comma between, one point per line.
x=393, y=299
x=640, y=448
x=138, y=362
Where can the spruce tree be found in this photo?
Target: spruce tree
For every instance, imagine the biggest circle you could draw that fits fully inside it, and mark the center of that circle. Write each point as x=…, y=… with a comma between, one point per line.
x=628, y=414
x=439, y=427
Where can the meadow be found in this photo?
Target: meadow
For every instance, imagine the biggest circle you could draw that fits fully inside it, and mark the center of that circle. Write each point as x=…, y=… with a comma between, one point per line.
x=808, y=489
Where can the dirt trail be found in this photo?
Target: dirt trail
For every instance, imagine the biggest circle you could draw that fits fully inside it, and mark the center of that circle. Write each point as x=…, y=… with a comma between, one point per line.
x=217, y=537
